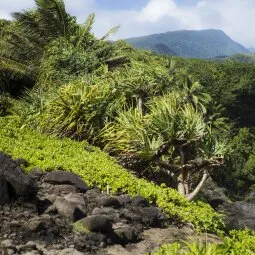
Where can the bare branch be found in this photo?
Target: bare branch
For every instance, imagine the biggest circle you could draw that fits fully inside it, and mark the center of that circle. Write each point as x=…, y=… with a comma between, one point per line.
x=199, y=186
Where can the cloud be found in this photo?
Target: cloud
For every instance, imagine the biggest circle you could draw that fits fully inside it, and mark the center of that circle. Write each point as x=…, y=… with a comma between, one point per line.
x=235, y=17
x=81, y=8
x=157, y=9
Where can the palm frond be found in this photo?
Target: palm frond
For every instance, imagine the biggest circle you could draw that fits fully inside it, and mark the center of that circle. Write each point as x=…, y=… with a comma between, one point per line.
x=16, y=67
x=110, y=32
x=85, y=30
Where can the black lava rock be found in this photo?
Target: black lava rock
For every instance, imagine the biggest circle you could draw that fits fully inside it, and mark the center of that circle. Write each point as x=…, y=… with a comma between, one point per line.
x=97, y=223
x=108, y=201
x=140, y=201
x=62, y=177
x=15, y=182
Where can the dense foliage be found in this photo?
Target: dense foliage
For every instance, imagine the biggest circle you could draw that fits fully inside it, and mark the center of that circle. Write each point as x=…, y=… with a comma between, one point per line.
x=243, y=58
x=229, y=83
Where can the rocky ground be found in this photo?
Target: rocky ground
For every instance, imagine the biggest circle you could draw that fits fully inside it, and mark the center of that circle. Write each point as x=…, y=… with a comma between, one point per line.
x=57, y=213
x=238, y=214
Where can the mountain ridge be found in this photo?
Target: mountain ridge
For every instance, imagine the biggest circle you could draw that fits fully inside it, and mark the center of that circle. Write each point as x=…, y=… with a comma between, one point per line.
x=208, y=43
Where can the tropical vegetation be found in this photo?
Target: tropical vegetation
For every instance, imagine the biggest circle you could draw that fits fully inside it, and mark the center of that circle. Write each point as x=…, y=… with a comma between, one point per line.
x=165, y=124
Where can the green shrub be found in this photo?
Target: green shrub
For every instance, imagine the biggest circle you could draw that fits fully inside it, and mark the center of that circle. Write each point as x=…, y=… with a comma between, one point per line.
x=97, y=168
x=237, y=243
x=196, y=248
x=79, y=109
x=30, y=107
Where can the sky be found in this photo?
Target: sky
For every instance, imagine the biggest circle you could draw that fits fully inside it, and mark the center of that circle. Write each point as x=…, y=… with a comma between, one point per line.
x=143, y=17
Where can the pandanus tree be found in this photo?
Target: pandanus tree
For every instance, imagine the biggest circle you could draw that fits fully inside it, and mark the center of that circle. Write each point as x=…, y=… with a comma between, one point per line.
x=141, y=81
x=172, y=137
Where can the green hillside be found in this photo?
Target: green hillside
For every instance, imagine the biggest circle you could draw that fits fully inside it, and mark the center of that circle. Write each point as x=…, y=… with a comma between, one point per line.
x=192, y=44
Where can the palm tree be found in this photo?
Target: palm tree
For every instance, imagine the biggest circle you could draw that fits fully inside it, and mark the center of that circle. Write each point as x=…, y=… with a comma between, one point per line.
x=23, y=41
x=32, y=33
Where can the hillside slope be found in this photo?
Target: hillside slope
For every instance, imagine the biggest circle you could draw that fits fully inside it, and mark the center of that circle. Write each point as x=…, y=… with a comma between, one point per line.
x=190, y=43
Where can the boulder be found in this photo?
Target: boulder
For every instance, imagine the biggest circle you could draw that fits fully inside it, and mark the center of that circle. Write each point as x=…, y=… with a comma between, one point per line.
x=97, y=223
x=92, y=242
x=214, y=194
x=62, y=177
x=125, y=234
x=108, y=211
x=130, y=216
x=63, y=189
x=36, y=173
x=77, y=200
x=124, y=200
x=15, y=182
x=152, y=216
x=38, y=224
x=4, y=192
x=240, y=214
x=71, y=206
x=108, y=201
x=139, y=201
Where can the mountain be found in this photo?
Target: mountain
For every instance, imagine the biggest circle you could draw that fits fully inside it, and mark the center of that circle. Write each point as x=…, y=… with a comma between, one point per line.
x=208, y=43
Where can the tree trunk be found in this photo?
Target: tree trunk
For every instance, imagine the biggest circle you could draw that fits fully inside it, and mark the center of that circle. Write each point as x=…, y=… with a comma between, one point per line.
x=180, y=180
x=186, y=183
x=140, y=104
x=181, y=177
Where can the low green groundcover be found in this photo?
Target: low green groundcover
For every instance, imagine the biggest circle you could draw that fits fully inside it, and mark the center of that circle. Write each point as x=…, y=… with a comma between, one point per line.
x=237, y=243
